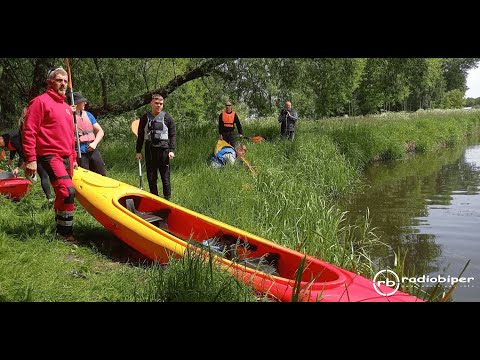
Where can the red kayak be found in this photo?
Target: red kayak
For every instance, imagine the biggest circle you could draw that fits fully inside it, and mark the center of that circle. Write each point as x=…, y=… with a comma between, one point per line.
x=13, y=187
x=160, y=229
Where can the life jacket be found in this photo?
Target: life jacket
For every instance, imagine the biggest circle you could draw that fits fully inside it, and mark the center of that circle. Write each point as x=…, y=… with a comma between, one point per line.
x=222, y=151
x=156, y=130
x=228, y=119
x=85, y=128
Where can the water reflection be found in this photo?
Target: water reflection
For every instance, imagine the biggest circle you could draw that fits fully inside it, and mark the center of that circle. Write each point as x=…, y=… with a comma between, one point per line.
x=427, y=208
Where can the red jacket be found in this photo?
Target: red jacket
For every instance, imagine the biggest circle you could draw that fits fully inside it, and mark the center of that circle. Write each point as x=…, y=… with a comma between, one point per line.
x=48, y=128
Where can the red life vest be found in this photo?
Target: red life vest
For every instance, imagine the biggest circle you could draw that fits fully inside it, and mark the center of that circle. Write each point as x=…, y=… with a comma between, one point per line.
x=85, y=128
x=228, y=119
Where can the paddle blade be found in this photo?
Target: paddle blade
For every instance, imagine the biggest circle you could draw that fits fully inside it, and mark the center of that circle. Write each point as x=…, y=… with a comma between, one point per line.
x=135, y=126
x=256, y=139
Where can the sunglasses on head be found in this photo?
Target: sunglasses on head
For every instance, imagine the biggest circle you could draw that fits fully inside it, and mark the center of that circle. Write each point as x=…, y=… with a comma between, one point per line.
x=52, y=70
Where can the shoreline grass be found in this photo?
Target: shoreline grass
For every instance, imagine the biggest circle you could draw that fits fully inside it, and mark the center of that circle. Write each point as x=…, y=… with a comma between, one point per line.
x=292, y=201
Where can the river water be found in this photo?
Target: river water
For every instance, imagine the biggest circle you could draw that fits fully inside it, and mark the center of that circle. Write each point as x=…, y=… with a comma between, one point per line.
x=427, y=208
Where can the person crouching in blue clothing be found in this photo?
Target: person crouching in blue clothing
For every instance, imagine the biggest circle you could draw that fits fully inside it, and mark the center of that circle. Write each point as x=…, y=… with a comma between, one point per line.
x=226, y=154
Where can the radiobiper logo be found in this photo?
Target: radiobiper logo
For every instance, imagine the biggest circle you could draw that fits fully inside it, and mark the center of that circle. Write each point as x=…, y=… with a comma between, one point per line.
x=392, y=280
x=388, y=278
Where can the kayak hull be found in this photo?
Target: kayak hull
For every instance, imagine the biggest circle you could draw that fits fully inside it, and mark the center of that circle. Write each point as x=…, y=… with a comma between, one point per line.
x=13, y=187
x=160, y=229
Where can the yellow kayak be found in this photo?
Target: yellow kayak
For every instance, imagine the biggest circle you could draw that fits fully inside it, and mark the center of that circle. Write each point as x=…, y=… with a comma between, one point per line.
x=160, y=229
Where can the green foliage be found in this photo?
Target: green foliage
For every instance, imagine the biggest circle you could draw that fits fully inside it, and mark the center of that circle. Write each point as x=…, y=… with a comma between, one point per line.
x=318, y=87
x=292, y=201
x=453, y=99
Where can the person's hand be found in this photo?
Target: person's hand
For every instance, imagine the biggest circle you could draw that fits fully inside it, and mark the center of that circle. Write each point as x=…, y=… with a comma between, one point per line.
x=15, y=171
x=91, y=147
x=10, y=162
x=138, y=156
x=31, y=168
x=75, y=165
x=171, y=155
x=220, y=137
x=241, y=136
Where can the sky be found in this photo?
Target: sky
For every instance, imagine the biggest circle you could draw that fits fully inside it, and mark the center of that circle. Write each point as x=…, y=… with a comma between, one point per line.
x=473, y=83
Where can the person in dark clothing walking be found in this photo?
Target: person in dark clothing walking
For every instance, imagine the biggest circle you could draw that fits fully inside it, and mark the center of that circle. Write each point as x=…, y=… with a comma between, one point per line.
x=13, y=142
x=157, y=129
x=287, y=119
x=227, y=121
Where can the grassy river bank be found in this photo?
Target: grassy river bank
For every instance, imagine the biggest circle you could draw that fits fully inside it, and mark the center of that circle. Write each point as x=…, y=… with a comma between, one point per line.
x=291, y=201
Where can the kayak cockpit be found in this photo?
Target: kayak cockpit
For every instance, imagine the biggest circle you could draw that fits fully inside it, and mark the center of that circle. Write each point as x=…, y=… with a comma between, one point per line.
x=157, y=217
x=242, y=248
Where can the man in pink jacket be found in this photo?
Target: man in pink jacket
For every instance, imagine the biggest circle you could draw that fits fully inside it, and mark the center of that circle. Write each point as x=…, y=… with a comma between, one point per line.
x=48, y=137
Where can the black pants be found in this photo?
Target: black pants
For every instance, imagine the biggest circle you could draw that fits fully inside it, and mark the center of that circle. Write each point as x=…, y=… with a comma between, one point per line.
x=92, y=160
x=44, y=180
x=229, y=137
x=157, y=160
x=289, y=134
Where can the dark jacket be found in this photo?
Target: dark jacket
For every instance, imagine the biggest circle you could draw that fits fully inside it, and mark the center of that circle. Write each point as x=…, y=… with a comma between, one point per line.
x=164, y=144
x=288, y=120
x=13, y=141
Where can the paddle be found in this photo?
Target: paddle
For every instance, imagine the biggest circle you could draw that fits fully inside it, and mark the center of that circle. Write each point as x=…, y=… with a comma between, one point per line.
x=134, y=128
x=74, y=117
x=254, y=139
x=241, y=154
x=248, y=165
x=140, y=173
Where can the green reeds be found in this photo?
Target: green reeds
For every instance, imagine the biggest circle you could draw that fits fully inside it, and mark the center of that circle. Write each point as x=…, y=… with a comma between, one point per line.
x=292, y=201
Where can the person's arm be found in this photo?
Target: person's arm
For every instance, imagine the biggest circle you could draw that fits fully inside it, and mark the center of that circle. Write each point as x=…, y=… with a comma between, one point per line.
x=292, y=115
x=220, y=127
x=99, y=133
x=12, y=155
x=30, y=130
x=97, y=129
x=141, y=133
x=172, y=135
x=237, y=123
x=140, y=137
x=21, y=160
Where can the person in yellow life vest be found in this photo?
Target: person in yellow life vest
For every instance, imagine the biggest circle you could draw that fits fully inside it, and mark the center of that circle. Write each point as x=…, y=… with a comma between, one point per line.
x=225, y=154
x=227, y=121
x=90, y=133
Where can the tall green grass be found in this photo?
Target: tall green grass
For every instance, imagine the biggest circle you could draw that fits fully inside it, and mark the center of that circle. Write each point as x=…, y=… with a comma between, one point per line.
x=292, y=201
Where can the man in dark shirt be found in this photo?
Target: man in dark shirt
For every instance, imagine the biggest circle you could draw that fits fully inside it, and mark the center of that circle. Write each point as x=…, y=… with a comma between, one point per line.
x=227, y=121
x=160, y=142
